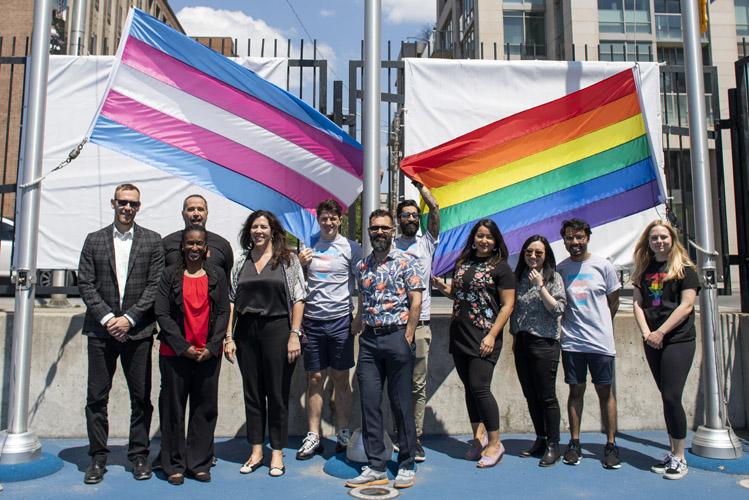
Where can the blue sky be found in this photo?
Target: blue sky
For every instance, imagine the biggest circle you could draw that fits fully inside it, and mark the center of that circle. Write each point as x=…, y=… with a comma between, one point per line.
x=338, y=25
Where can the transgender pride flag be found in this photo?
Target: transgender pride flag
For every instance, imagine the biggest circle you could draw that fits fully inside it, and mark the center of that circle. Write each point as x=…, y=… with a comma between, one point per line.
x=177, y=105
x=585, y=155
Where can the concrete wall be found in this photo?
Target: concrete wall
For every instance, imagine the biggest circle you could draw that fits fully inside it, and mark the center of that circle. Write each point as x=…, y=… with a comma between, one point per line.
x=58, y=382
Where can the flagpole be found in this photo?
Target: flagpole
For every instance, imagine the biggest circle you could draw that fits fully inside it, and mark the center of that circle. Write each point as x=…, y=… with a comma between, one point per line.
x=19, y=444
x=371, y=117
x=713, y=439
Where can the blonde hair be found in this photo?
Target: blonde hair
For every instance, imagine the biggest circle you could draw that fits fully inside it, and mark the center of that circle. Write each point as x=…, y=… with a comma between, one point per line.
x=678, y=258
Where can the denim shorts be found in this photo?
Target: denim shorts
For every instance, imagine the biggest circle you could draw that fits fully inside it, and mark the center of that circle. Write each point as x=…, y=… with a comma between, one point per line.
x=577, y=364
x=329, y=344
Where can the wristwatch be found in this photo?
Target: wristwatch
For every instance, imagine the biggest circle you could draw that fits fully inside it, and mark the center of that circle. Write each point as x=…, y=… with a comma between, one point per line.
x=297, y=331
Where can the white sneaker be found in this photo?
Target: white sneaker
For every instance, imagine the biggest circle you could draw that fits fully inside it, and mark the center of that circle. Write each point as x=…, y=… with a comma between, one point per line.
x=405, y=478
x=342, y=439
x=310, y=447
x=676, y=469
x=660, y=467
x=368, y=477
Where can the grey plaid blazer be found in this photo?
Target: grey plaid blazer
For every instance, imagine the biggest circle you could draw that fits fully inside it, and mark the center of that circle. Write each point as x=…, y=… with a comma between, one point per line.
x=97, y=281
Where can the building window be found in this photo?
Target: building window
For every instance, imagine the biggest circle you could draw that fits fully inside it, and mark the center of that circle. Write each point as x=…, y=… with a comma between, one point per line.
x=469, y=45
x=742, y=17
x=625, y=51
x=531, y=3
x=624, y=16
x=445, y=36
x=525, y=34
x=668, y=20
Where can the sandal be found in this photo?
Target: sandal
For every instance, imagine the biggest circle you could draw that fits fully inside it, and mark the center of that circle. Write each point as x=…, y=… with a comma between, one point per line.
x=477, y=446
x=277, y=471
x=488, y=461
x=249, y=467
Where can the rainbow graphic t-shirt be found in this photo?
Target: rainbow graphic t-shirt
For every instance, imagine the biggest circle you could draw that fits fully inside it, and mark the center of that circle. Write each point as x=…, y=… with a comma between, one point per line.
x=654, y=284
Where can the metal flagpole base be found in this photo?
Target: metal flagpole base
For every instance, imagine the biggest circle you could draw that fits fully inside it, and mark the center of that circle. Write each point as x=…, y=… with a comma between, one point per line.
x=716, y=443
x=19, y=448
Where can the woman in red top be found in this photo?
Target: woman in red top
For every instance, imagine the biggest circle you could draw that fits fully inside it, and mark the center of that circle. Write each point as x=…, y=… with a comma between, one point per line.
x=192, y=308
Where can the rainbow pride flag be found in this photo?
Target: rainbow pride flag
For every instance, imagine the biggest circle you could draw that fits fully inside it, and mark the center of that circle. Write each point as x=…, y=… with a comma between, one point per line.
x=177, y=105
x=585, y=155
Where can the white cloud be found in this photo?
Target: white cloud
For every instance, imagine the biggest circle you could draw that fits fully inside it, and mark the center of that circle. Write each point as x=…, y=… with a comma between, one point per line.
x=206, y=21
x=409, y=11
x=327, y=13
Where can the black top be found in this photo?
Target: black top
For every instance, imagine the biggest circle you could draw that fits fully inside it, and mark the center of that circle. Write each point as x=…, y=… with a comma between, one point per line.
x=262, y=294
x=660, y=298
x=477, y=288
x=170, y=310
x=220, y=255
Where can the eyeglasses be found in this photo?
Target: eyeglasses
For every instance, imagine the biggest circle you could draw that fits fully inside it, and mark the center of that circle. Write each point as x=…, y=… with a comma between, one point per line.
x=377, y=229
x=124, y=203
x=409, y=215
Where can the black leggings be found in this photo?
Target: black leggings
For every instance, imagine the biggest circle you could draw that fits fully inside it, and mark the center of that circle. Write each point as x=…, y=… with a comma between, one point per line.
x=670, y=366
x=536, y=361
x=476, y=375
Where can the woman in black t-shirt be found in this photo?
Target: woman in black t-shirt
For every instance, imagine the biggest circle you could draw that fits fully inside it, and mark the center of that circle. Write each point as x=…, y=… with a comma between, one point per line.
x=483, y=290
x=666, y=287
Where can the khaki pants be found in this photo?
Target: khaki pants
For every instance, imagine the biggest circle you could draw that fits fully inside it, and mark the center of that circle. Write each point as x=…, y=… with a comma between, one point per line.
x=423, y=339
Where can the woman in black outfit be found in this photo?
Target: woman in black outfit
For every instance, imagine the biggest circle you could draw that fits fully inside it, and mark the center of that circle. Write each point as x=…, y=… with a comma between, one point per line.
x=192, y=308
x=666, y=287
x=267, y=295
x=534, y=325
x=483, y=290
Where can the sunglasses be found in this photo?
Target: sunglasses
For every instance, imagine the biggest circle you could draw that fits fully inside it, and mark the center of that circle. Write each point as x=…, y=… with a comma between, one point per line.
x=384, y=229
x=124, y=203
x=409, y=215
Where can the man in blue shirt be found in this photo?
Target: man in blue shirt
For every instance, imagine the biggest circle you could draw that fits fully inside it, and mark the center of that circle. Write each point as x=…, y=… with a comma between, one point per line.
x=390, y=287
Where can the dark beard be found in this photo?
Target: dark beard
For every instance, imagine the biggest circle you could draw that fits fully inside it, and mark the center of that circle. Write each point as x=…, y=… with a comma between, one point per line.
x=380, y=243
x=409, y=229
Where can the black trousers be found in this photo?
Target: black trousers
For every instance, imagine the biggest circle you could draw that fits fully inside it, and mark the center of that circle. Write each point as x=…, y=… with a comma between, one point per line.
x=536, y=362
x=135, y=357
x=262, y=350
x=476, y=374
x=183, y=379
x=670, y=366
x=386, y=357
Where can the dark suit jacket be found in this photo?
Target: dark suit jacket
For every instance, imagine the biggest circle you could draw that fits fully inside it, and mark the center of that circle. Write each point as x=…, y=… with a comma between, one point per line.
x=170, y=309
x=97, y=281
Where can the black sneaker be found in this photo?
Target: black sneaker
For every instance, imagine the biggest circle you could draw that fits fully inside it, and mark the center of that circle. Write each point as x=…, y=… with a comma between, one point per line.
x=611, y=457
x=420, y=455
x=573, y=454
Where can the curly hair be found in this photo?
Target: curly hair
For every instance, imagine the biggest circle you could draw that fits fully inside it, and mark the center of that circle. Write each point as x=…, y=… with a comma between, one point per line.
x=277, y=236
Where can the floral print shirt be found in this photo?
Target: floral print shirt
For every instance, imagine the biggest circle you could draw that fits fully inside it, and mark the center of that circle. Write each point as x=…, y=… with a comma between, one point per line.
x=384, y=288
x=478, y=294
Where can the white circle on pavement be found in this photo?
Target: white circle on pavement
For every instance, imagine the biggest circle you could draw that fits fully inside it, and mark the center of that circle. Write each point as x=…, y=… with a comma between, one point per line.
x=374, y=492
x=744, y=483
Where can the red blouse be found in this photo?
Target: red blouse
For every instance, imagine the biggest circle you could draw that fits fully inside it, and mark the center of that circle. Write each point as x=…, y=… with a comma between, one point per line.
x=197, y=313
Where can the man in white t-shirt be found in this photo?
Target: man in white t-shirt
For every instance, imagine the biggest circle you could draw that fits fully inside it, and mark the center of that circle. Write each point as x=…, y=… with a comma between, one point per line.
x=592, y=287
x=327, y=325
x=421, y=248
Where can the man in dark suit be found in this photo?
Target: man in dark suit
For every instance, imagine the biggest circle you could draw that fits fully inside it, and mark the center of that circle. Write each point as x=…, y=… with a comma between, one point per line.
x=118, y=276
x=195, y=211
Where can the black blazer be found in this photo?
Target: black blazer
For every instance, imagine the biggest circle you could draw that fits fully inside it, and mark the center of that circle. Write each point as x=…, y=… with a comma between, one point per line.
x=97, y=281
x=170, y=309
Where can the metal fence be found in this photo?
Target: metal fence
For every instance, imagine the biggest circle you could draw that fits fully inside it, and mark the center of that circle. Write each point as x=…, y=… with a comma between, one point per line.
x=307, y=78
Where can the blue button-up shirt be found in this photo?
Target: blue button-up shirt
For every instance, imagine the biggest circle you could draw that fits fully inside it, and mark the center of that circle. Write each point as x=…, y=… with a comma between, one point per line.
x=384, y=288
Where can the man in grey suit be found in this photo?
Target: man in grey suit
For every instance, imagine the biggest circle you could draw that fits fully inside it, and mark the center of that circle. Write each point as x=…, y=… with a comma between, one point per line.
x=118, y=276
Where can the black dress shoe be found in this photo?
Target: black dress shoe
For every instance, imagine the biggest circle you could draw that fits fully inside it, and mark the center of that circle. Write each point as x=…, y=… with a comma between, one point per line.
x=536, y=450
x=551, y=456
x=141, y=468
x=95, y=472
x=203, y=477
x=176, y=479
